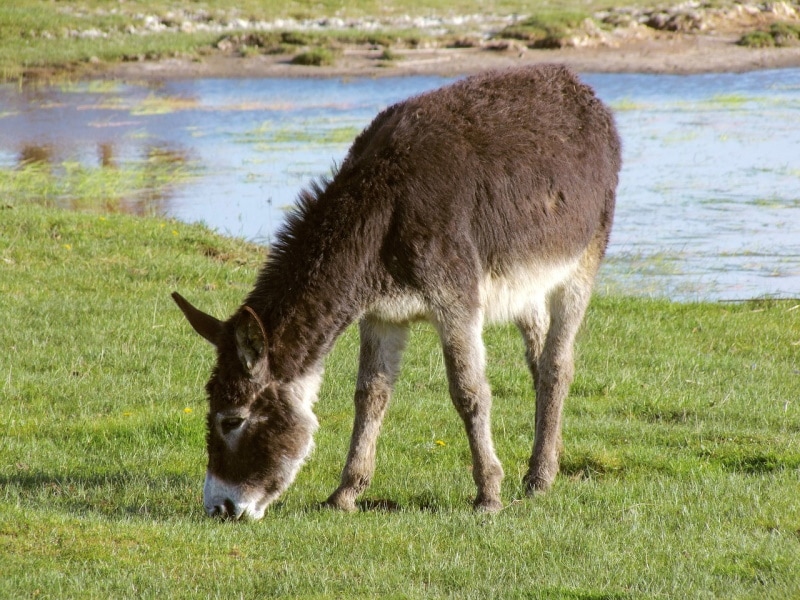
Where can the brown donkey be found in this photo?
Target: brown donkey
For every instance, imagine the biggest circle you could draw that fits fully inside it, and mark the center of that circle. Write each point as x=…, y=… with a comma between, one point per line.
x=490, y=199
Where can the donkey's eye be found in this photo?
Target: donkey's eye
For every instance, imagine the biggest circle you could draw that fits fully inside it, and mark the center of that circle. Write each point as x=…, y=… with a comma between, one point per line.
x=228, y=424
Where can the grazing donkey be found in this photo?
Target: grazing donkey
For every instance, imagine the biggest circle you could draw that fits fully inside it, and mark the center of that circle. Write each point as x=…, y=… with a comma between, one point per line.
x=490, y=199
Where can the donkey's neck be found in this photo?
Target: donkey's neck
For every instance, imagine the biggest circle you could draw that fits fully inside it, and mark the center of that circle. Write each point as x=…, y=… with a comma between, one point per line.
x=320, y=275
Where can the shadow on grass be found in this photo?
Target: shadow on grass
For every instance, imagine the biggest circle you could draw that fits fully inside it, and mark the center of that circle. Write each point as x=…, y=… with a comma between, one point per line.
x=119, y=495
x=112, y=495
x=596, y=466
x=384, y=505
x=752, y=462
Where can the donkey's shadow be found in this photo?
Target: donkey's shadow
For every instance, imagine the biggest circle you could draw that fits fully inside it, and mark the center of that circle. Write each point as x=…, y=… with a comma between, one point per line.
x=114, y=495
x=122, y=495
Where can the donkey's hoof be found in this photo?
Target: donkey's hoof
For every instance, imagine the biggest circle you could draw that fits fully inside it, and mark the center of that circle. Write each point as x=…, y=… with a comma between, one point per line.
x=484, y=505
x=537, y=484
x=340, y=501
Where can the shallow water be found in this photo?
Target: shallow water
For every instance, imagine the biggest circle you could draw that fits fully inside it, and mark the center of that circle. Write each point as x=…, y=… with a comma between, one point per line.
x=708, y=204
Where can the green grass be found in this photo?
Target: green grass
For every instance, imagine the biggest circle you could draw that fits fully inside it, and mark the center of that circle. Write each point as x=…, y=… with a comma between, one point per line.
x=388, y=56
x=781, y=34
x=680, y=476
x=316, y=57
x=546, y=29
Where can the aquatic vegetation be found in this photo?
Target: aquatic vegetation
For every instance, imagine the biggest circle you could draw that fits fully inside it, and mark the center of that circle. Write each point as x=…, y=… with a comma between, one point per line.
x=653, y=264
x=315, y=132
x=775, y=201
x=336, y=135
x=161, y=105
x=95, y=86
x=680, y=137
x=626, y=104
x=729, y=100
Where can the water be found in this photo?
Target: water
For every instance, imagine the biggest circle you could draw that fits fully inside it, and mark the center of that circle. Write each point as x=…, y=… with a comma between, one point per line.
x=708, y=204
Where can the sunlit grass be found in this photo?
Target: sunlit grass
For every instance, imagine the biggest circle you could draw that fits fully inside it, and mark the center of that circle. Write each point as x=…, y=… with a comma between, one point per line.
x=680, y=474
x=546, y=28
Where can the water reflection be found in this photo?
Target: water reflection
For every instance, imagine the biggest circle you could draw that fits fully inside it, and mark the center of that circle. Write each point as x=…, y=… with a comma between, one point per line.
x=143, y=185
x=709, y=199
x=105, y=154
x=35, y=154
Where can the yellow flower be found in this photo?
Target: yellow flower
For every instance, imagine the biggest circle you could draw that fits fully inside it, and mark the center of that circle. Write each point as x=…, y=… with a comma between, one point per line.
x=440, y=443
x=174, y=232
x=68, y=246
x=187, y=410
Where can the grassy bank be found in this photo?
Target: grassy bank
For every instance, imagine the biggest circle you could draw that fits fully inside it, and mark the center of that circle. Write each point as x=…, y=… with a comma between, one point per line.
x=40, y=36
x=681, y=473
x=46, y=39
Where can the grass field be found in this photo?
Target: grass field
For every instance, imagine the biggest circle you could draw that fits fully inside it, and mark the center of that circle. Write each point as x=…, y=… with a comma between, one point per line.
x=680, y=477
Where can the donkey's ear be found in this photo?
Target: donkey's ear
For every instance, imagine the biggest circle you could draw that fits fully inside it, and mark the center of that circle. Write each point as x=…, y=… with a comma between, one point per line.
x=206, y=325
x=251, y=340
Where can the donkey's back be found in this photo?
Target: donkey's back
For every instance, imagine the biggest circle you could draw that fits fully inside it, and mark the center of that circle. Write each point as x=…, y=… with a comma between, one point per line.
x=496, y=186
x=489, y=199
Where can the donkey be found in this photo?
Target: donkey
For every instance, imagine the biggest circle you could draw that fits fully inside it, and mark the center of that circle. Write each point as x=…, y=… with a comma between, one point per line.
x=490, y=199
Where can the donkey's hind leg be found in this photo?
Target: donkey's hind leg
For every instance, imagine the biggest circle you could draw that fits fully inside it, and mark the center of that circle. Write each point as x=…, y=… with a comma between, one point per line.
x=382, y=346
x=533, y=327
x=552, y=371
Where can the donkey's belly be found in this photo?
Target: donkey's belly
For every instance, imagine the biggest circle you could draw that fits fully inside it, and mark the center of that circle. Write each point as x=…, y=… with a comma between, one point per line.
x=502, y=296
x=518, y=290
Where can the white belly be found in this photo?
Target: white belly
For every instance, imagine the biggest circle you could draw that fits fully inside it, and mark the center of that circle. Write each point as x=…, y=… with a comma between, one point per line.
x=506, y=297
x=503, y=297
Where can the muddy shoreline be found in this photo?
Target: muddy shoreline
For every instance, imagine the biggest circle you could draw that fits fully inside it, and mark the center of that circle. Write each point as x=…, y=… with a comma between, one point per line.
x=676, y=54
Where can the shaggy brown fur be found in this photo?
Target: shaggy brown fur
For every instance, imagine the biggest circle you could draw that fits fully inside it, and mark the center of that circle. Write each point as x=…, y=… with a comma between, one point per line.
x=489, y=199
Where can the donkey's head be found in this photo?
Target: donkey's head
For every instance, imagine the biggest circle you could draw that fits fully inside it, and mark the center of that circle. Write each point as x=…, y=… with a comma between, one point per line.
x=259, y=429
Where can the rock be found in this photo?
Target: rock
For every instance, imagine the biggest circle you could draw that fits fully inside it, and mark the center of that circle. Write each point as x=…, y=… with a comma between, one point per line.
x=225, y=45
x=781, y=9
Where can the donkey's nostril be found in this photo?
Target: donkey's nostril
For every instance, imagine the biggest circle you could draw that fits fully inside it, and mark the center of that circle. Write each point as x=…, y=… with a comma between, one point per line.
x=228, y=510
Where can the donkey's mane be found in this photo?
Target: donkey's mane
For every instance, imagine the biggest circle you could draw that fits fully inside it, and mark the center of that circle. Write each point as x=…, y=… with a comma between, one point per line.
x=310, y=271
x=287, y=235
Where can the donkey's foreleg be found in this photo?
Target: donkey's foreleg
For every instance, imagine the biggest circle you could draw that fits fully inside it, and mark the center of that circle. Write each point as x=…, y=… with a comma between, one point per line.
x=381, y=349
x=464, y=357
x=552, y=378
